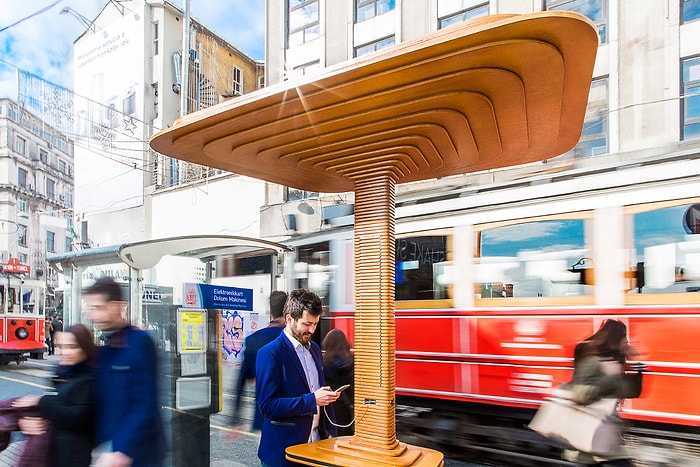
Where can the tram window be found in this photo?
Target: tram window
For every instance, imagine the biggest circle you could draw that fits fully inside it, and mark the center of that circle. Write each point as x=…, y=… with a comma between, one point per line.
x=665, y=255
x=536, y=259
x=422, y=268
x=313, y=269
x=28, y=300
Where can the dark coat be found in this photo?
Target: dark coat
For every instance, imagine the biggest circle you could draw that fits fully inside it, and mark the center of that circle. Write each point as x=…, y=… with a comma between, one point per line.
x=253, y=343
x=338, y=373
x=286, y=401
x=71, y=411
x=128, y=412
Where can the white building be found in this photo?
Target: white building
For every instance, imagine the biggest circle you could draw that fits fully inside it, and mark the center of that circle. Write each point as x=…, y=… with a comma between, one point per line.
x=128, y=80
x=36, y=191
x=644, y=100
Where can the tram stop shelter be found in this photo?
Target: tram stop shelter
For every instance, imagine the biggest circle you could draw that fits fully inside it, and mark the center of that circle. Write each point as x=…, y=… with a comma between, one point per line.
x=497, y=91
x=158, y=277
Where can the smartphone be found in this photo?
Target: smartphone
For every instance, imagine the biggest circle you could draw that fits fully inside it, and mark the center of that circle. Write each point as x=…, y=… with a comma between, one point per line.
x=342, y=388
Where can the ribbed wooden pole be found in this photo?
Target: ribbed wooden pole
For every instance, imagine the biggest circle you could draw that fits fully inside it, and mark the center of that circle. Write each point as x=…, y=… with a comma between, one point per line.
x=375, y=338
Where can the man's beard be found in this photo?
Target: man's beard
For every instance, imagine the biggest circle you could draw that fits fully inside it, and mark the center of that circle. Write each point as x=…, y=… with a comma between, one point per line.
x=303, y=338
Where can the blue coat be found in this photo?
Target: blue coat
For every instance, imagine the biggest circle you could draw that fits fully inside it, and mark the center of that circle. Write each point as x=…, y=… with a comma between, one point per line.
x=127, y=397
x=286, y=401
x=253, y=344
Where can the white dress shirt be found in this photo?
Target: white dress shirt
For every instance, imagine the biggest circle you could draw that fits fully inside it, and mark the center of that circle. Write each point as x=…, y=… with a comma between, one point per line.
x=307, y=362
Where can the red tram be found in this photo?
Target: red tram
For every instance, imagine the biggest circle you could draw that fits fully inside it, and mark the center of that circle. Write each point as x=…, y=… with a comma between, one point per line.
x=496, y=285
x=21, y=317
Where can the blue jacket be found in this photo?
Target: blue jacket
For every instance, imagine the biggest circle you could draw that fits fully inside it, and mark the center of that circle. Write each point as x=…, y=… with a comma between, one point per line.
x=286, y=401
x=127, y=397
x=253, y=343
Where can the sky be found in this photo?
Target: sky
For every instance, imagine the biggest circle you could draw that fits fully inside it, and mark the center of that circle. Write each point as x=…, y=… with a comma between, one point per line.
x=42, y=43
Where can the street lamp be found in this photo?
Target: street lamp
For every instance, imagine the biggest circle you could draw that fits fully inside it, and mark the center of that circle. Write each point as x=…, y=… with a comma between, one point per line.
x=86, y=22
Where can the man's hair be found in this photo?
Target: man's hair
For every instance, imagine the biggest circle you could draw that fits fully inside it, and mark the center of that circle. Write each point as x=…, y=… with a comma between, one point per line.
x=301, y=300
x=107, y=287
x=277, y=301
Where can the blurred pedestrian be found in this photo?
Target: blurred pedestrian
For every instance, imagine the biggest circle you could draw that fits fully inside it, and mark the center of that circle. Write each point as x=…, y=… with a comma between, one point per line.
x=253, y=343
x=290, y=386
x=69, y=412
x=129, y=429
x=48, y=334
x=339, y=370
x=599, y=372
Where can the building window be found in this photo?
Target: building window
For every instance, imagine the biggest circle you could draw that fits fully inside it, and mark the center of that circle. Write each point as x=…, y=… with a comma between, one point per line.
x=462, y=15
x=595, y=10
x=20, y=145
x=237, y=86
x=62, y=166
x=50, y=188
x=374, y=46
x=22, y=178
x=21, y=205
x=690, y=10
x=69, y=244
x=23, y=258
x=294, y=194
x=68, y=196
x=366, y=9
x=50, y=241
x=594, y=134
x=303, y=23
x=155, y=37
x=22, y=235
x=690, y=99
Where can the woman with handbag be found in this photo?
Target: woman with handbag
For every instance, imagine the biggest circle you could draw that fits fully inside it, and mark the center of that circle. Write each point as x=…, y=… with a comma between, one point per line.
x=599, y=373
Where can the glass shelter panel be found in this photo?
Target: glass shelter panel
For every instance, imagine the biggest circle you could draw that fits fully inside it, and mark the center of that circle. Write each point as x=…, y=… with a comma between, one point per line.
x=547, y=258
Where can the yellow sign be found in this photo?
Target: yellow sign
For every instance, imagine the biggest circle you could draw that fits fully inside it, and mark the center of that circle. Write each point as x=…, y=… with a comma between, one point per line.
x=192, y=331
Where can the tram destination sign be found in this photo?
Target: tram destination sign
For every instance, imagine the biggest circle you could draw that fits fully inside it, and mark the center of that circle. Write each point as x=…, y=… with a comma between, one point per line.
x=13, y=266
x=217, y=297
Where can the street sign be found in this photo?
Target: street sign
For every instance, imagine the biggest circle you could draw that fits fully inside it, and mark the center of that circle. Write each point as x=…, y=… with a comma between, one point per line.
x=15, y=267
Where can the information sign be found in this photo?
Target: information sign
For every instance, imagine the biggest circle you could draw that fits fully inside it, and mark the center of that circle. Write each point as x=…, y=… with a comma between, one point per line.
x=192, y=331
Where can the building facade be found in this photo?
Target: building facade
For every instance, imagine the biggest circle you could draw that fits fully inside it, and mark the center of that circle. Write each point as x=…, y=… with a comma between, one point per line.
x=129, y=84
x=36, y=191
x=644, y=100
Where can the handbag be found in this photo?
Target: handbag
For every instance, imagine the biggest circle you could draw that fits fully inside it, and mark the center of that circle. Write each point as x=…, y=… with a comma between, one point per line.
x=594, y=428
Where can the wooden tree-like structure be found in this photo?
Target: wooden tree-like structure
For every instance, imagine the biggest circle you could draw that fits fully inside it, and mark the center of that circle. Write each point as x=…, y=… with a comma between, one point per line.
x=498, y=91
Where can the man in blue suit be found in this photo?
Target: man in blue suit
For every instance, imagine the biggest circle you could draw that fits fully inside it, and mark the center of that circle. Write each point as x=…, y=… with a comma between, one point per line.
x=290, y=388
x=254, y=342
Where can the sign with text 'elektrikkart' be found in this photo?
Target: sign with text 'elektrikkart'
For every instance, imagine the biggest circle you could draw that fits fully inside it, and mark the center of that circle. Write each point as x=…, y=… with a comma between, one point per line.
x=217, y=297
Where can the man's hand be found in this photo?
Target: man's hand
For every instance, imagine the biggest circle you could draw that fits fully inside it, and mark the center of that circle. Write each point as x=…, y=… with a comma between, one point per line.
x=32, y=425
x=114, y=459
x=325, y=396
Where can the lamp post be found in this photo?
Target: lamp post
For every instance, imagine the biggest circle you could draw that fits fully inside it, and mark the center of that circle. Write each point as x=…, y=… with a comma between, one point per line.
x=83, y=20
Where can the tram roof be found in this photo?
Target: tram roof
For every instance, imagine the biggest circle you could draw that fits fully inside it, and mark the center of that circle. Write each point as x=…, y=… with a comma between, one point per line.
x=146, y=254
x=496, y=91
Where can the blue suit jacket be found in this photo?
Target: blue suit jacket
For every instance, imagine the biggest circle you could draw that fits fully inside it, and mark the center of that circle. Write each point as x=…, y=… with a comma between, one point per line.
x=253, y=343
x=286, y=401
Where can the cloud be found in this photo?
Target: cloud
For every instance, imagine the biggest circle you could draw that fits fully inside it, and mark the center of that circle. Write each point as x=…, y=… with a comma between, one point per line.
x=43, y=44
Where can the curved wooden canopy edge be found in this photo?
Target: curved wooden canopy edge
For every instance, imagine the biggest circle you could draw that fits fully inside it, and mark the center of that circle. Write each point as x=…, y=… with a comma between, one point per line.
x=499, y=91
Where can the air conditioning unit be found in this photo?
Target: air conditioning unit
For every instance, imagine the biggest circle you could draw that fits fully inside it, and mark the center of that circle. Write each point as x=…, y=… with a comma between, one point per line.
x=62, y=197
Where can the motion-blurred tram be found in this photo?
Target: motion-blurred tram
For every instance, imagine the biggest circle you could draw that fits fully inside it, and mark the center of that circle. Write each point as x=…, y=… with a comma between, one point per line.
x=21, y=318
x=496, y=283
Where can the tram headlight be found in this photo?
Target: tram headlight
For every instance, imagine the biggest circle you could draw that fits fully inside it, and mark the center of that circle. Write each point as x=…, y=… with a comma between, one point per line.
x=21, y=333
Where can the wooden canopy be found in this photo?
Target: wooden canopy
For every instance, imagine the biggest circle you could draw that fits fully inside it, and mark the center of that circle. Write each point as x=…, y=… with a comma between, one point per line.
x=499, y=91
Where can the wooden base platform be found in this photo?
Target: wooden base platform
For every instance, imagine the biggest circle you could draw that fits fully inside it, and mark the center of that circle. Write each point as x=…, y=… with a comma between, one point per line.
x=339, y=452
